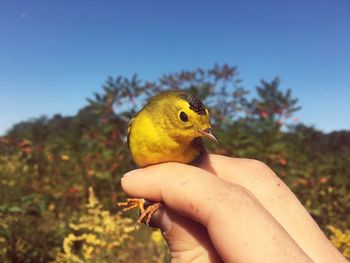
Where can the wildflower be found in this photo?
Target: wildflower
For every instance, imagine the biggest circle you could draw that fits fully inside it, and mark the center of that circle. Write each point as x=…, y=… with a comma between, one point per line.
x=64, y=157
x=157, y=237
x=341, y=240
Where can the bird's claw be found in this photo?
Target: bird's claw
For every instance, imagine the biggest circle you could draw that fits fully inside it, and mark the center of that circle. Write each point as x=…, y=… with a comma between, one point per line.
x=145, y=213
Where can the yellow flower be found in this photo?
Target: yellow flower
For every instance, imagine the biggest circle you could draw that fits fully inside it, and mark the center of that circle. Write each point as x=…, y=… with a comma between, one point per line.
x=341, y=240
x=65, y=157
x=157, y=237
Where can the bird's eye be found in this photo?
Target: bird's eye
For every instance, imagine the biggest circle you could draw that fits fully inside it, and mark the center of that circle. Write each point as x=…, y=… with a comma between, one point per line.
x=183, y=116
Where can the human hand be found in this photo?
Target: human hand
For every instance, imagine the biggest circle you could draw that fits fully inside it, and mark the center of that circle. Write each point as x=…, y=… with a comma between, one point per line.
x=231, y=210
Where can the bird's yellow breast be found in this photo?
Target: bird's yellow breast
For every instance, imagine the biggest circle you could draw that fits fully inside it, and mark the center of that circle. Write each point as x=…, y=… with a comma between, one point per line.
x=151, y=143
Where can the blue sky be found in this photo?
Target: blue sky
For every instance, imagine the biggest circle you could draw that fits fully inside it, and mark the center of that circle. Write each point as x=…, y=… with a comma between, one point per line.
x=54, y=54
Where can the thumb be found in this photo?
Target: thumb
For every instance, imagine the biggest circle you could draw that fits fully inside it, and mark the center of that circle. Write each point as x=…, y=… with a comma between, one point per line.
x=187, y=240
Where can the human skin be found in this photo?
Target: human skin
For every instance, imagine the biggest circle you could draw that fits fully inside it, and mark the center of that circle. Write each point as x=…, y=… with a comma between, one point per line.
x=229, y=210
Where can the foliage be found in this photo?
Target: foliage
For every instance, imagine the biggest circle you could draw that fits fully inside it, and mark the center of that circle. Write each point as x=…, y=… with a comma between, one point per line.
x=101, y=237
x=341, y=240
x=47, y=165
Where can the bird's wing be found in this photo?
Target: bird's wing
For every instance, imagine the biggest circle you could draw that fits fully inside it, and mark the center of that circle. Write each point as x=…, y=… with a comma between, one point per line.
x=129, y=130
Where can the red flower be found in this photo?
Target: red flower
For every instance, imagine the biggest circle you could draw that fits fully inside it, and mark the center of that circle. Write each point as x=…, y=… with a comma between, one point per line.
x=263, y=113
x=73, y=190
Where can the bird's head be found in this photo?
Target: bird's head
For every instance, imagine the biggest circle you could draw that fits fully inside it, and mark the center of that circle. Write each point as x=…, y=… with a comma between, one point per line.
x=188, y=118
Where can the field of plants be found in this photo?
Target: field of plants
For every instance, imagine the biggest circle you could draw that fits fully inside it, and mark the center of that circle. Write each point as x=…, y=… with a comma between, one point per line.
x=60, y=176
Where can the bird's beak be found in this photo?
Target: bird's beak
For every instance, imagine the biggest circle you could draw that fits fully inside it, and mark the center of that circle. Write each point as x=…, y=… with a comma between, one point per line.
x=209, y=134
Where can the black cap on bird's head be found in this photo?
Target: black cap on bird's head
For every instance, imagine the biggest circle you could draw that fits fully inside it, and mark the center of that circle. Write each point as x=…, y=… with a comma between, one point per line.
x=202, y=125
x=195, y=104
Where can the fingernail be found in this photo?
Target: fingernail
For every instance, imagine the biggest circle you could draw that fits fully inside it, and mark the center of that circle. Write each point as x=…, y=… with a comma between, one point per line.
x=162, y=221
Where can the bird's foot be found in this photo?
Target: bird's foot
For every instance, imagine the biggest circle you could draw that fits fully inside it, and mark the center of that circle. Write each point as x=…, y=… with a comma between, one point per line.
x=146, y=210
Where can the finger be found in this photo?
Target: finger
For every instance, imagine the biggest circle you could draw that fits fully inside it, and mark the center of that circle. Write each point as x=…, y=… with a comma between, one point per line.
x=187, y=240
x=278, y=199
x=186, y=189
x=234, y=219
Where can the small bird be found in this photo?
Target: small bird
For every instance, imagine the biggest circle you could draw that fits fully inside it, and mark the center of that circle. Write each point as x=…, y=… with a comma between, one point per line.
x=168, y=128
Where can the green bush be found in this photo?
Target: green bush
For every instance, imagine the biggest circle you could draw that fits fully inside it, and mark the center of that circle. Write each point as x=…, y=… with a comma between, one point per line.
x=48, y=165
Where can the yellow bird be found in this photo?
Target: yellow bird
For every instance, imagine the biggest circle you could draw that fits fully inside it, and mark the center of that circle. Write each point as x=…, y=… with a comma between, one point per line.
x=168, y=128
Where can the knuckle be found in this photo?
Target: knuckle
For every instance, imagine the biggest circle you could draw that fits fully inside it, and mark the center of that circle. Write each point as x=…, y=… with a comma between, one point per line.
x=233, y=195
x=262, y=171
x=259, y=165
